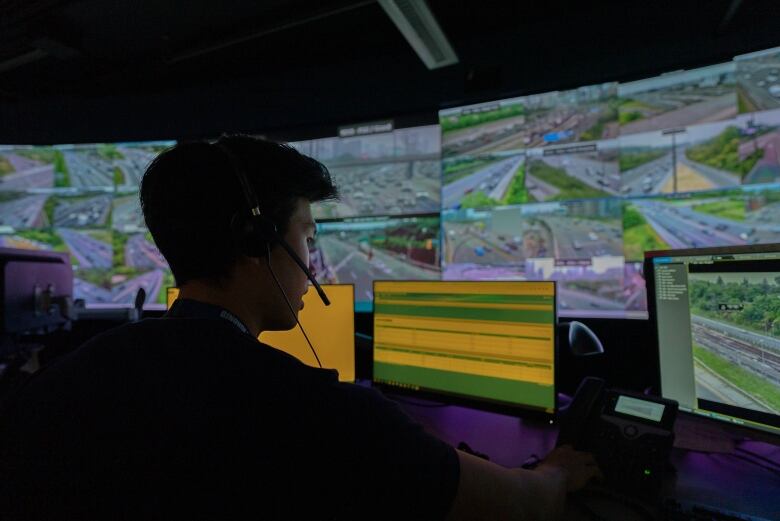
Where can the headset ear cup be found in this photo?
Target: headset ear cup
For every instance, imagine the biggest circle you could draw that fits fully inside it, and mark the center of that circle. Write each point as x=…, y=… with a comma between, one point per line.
x=245, y=237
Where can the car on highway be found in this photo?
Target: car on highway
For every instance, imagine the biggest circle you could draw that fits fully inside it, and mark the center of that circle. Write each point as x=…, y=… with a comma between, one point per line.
x=774, y=90
x=721, y=226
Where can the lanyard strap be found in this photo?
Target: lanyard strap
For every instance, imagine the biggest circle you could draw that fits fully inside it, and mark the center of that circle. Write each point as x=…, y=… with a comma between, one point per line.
x=188, y=308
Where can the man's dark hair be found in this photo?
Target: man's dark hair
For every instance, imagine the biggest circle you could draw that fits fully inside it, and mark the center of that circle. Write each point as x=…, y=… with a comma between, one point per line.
x=190, y=193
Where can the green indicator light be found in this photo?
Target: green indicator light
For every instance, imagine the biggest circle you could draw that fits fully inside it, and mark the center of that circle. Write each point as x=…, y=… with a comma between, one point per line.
x=647, y=472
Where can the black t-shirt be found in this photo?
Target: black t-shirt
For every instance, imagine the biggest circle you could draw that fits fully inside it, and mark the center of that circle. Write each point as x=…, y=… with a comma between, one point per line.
x=189, y=418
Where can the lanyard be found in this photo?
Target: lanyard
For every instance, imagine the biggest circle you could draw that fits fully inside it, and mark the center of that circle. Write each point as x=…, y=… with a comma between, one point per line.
x=188, y=308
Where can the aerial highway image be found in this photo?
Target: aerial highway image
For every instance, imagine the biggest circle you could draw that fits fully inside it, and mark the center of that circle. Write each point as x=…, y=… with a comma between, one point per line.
x=678, y=99
x=126, y=214
x=758, y=80
x=584, y=114
x=410, y=187
x=138, y=263
x=106, y=164
x=483, y=181
x=581, y=171
x=746, y=215
x=23, y=168
x=90, y=166
x=131, y=160
x=81, y=210
x=504, y=237
x=89, y=249
x=390, y=173
x=736, y=338
x=363, y=250
x=698, y=157
x=22, y=211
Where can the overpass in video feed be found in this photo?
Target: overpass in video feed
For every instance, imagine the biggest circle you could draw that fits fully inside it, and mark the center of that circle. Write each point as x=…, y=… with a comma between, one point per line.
x=577, y=243
x=678, y=99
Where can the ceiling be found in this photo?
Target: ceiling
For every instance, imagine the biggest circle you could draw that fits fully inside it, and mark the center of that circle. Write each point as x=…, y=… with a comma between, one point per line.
x=108, y=70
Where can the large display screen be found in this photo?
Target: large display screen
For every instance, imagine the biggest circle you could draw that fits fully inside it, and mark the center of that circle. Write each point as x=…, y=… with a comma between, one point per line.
x=575, y=186
x=83, y=199
x=572, y=186
x=718, y=337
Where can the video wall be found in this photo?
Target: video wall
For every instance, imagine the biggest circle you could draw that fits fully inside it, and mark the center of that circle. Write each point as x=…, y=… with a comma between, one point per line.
x=571, y=186
x=83, y=199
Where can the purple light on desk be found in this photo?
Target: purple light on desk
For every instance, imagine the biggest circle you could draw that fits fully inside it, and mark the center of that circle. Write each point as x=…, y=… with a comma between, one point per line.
x=504, y=438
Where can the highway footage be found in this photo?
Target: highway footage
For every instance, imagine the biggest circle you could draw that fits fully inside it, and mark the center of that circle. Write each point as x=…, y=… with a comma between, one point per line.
x=736, y=338
x=83, y=199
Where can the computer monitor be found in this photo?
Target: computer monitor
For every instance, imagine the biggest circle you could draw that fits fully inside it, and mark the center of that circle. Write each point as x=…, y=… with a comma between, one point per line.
x=331, y=330
x=716, y=312
x=485, y=344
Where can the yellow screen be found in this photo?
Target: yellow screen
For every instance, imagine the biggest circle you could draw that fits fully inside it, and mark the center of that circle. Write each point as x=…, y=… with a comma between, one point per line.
x=492, y=341
x=331, y=330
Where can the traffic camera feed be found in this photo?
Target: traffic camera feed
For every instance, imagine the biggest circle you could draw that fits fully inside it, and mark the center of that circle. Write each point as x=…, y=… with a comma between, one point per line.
x=577, y=243
x=678, y=99
x=736, y=338
x=360, y=251
x=389, y=173
x=746, y=215
x=584, y=114
x=758, y=80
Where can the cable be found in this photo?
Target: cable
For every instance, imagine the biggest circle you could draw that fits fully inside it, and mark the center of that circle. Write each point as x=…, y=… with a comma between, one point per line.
x=289, y=306
x=759, y=456
x=756, y=463
x=431, y=405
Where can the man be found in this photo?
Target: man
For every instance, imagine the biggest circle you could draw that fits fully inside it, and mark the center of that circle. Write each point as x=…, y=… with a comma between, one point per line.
x=190, y=416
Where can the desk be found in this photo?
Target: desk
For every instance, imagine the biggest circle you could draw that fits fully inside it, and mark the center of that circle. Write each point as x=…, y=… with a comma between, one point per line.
x=718, y=480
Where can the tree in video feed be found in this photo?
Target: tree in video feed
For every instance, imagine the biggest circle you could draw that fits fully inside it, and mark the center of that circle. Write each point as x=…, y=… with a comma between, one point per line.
x=735, y=320
x=363, y=250
x=24, y=168
x=678, y=99
x=748, y=149
x=732, y=217
x=583, y=171
x=584, y=114
x=686, y=159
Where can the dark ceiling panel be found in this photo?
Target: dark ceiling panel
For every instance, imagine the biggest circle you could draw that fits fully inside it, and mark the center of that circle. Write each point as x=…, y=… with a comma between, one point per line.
x=99, y=67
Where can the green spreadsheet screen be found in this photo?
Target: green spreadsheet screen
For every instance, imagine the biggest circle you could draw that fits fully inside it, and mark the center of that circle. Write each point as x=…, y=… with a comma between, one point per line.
x=491, y=341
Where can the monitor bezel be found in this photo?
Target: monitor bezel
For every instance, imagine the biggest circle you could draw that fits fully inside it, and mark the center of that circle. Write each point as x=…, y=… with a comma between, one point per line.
x=473, y=402
x=649, y=273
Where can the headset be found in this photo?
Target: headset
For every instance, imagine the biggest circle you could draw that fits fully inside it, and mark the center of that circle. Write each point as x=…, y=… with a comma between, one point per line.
x=256, y=233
